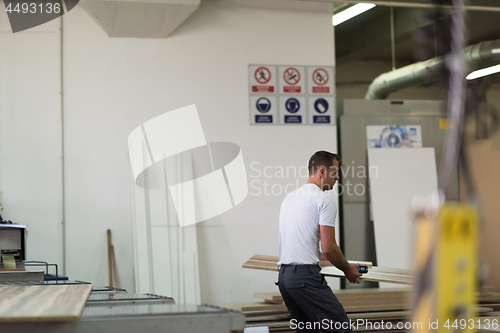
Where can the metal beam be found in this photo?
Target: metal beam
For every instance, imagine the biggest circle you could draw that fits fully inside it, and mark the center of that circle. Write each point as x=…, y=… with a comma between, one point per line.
x=393, y=3
x=402, y=4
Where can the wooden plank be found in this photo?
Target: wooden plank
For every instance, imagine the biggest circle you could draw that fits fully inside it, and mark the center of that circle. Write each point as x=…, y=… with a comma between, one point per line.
x=380, y=315
x=43, y=302
x=375, y=307
x=377, y=274
x=345, y=293
x=263, y=262
x=273, y=302
x=110, y=259
x=274, y=296
x=257, y=306
x=374, y=316
x=490, y=297
x=369, y=264
x=484, y=164
x=259, y=261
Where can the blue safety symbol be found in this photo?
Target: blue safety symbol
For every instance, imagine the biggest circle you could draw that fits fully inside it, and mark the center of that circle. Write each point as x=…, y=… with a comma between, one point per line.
x=292, y=105
x=263, y=105
x=321, y=105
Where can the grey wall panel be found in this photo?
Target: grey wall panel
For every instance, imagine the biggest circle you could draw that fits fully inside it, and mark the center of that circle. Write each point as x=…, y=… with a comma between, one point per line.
x=354, y=155
x=357, y=238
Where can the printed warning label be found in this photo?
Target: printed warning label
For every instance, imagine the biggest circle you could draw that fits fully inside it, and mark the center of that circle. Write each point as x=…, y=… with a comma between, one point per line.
x=262, y=79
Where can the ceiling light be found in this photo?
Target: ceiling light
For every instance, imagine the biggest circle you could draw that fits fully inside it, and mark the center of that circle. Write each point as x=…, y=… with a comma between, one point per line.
x=483, y=72
x=351, y=12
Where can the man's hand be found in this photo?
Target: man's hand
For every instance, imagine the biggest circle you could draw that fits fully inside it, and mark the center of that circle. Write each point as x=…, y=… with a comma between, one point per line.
x=352, y=273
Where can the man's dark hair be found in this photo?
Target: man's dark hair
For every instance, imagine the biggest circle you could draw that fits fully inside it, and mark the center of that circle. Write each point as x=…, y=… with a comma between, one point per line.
x=321, y=159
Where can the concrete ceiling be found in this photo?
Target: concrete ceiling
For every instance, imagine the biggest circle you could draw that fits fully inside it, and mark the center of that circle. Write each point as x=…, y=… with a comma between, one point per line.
x=368, y=36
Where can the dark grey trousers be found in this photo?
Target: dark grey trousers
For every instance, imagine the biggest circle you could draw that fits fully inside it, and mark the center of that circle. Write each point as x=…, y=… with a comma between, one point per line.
x=310, y=300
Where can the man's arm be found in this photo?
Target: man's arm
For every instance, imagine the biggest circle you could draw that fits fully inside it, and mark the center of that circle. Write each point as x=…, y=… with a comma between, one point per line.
x=333, y=253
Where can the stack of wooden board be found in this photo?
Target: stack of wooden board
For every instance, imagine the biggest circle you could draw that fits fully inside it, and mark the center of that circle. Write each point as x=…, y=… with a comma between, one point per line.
x=360, y=300
x=270, y=263
x=43, y=302
x=377, y=274
x=353, y=300
x=375, y=305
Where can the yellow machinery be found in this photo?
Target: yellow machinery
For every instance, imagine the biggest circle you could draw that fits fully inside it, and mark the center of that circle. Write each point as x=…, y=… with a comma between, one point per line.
x=445, y=264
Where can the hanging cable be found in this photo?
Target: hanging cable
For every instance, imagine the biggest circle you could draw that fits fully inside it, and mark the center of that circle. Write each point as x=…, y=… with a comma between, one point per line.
x=456, y=95
x=393, y=42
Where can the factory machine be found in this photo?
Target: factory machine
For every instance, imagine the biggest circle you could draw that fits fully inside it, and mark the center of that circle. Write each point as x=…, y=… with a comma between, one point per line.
x=353, y=117
x=12, y=245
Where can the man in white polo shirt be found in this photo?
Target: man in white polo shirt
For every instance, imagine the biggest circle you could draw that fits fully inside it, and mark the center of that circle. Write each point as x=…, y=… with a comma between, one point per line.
x=306, y=216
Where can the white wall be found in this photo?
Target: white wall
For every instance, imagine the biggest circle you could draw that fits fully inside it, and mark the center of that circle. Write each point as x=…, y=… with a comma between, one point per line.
x=113, y=85
x=30, y=135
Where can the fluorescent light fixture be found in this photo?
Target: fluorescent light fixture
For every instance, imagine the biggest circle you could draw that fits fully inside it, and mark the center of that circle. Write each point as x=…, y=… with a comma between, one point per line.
x=351, y=12
x=483, y=72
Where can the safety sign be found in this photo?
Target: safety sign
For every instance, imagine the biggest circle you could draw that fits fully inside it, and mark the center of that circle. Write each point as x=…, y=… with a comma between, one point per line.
x=320, y=80
x=292, y=105
x=262, y=79
x=293, y=110
x=291, y=79
x=263, y=105
x=291, y=94
x=321, y=105
x=321, y=110
x=263, y=110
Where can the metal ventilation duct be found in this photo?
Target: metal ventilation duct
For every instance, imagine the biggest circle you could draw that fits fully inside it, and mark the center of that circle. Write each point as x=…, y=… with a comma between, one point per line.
x=476, y=56
x=139, y=18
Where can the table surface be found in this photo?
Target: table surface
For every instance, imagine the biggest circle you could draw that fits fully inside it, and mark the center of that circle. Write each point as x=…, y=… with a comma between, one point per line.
x=43, y=302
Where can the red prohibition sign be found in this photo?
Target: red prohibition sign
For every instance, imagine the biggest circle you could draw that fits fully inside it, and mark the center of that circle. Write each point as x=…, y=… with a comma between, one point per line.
x=291, y=76
x=262, y=75
x=320, y=76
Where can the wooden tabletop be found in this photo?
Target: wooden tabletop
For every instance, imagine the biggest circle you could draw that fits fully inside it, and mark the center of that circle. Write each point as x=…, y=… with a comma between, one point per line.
x=43, y=302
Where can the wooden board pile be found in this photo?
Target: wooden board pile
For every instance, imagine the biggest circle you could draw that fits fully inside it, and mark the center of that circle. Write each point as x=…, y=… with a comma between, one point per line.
x=375, y=305
x=368, y=304
x=353, y=300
